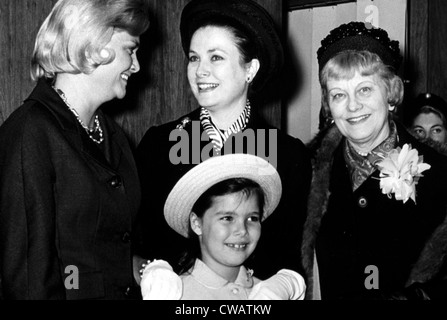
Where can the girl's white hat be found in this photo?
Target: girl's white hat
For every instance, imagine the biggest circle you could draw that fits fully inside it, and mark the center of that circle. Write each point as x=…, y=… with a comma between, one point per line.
x=195, y=182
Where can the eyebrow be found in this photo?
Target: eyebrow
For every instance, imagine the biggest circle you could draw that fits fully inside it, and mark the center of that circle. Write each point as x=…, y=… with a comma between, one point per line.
x=211, y=51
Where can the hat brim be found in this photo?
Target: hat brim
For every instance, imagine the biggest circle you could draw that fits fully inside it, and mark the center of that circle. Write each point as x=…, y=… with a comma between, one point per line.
x=242, y=14
x=195, y=182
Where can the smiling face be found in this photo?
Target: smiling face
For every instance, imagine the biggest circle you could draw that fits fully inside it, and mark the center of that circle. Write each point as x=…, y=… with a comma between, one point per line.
x=359, y=107
x=216, y=74
x=110, y=80
x=429, y=126
x=228, y=232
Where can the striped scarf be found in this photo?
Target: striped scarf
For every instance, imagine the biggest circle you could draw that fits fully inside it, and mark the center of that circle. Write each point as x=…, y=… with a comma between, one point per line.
x=218, y=137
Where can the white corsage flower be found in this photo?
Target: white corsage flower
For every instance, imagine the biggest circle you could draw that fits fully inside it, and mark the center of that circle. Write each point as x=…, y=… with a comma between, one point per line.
x=400, y=172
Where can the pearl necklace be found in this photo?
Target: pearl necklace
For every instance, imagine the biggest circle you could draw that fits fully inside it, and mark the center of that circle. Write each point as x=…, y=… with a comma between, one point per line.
x=89, y=131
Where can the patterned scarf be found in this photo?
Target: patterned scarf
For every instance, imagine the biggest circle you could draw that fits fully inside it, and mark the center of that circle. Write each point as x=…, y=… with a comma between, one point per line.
x=218, y=137
x=361, y=167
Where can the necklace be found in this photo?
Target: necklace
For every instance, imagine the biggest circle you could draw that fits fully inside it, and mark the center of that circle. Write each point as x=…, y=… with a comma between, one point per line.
x=90, y=132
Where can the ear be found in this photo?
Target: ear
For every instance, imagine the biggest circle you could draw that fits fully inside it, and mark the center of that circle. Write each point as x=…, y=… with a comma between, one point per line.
x=252, y=69
x=195, y=223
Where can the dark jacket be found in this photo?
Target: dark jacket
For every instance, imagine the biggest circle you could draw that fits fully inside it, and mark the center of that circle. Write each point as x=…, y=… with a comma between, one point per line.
x=347, y=231
x=66, y=206
x=281, y=232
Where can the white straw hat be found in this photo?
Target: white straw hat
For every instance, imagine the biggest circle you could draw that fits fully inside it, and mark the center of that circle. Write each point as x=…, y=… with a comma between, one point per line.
x=195, y=182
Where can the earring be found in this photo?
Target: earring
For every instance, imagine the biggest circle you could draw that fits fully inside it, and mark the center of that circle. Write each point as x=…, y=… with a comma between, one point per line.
x=248, y=79
x=391, y=108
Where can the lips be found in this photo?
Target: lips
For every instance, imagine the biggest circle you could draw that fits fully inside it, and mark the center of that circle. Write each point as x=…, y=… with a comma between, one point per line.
x=125, y=76
x=238, y=246
x=206, y=86
x=355, y=120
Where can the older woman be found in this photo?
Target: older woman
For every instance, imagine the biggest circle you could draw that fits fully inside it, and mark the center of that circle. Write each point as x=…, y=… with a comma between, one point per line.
x=428, y=120
x=377, y=204
x=69, y=188
x=233, y=51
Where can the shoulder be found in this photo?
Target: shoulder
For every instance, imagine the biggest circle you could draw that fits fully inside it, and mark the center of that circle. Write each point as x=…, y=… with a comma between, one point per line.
x=161, y=132
x=31, y=119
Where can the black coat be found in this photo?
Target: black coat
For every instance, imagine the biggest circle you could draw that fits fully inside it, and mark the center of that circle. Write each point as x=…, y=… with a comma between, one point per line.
x=281, y=232
x=64, y=203
x=351, y=230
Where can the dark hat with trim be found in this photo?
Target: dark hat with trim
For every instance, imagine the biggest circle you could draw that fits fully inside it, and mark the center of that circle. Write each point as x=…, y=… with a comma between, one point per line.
x=249, y=17
x=360, y=36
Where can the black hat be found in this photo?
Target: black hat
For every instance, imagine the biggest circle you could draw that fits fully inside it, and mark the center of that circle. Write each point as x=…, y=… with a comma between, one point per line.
x=360, y=36
x=242, y=14
x=428, y=99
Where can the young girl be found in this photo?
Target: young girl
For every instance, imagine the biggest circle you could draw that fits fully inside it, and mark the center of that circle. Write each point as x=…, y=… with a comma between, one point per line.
x=218, y=206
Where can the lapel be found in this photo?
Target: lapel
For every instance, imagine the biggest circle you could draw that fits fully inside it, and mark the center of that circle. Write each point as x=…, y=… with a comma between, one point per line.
x=77, y=137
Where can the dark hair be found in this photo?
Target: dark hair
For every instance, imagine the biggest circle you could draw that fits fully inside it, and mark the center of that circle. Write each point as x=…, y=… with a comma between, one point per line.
x=245, y=186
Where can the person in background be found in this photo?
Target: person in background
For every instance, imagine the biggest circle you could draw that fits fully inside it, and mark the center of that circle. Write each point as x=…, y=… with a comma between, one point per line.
x=376, y=224
x=69, y=187
x=428, y=114
x=218, y=206
x=233, y=53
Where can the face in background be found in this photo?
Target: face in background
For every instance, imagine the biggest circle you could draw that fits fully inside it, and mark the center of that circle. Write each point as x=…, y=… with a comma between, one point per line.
x=429, y=126
x=228, y=232
x=109, y=81
x=216, y=73
x=359, y=107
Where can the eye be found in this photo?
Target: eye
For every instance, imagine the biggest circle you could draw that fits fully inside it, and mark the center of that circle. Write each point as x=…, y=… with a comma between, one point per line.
x=419, y=132
x=438, y=130
x=337, y=96
x=365, y=90
x=193, y=58
x=227, y=218
x=216, y=58
x=254, y=218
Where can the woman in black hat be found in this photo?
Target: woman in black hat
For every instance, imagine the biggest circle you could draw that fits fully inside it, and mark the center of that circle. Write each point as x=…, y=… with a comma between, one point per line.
x=233, y=51
x=377, y=204
x=428, y=123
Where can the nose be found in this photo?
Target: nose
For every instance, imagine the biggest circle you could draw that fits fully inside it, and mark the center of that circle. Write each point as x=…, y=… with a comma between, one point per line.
x=354, y=104
x=135, y=65
x=202, y=69
x=240, y=228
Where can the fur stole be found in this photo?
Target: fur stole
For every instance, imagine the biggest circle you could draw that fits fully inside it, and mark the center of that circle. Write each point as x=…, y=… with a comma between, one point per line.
x=322, y=148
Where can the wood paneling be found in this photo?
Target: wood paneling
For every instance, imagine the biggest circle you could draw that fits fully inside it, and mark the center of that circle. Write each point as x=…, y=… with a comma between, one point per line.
x=19, y=22
x=437, y=40
x=417, y=60
x=157, y=94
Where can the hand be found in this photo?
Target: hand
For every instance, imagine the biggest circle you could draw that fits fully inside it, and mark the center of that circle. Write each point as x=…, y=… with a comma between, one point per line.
x=285, y=285
x=160, y=282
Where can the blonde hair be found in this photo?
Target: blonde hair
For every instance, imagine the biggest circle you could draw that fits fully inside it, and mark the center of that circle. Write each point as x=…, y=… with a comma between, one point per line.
x=76, y=31
x=345, y=64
